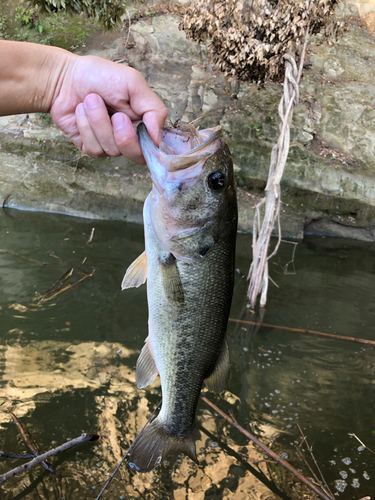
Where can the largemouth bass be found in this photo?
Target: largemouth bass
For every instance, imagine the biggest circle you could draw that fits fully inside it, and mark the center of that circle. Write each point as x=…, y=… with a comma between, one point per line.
x=190, y=220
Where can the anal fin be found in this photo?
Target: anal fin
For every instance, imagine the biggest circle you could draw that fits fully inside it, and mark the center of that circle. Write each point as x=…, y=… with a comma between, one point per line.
x=146, y=371
x=136, y=273
x=218, y=379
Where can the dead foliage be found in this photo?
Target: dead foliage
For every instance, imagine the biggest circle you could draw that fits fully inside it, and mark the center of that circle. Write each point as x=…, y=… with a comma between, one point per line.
x=249, y=38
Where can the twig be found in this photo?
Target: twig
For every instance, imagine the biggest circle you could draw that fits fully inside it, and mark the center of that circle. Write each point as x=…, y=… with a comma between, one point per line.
x=300, y=330
x=257, y=462
x=323, y=482
x=242, y=276
x=127, y=38
x=269, y=452
x=303, y=458
x=91, y=236
x=272, y=281
x=126, y=454
x=363, y=444
x=66, y=446
x=12, y=456
x=5, y=250
x=52, y=254
x=285, y=268
x=63, y=278
x=53, y=295
x=24, y=432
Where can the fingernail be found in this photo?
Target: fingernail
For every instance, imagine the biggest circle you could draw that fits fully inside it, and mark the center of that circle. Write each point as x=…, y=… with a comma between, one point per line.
x=92, y=101
x=118, y=121
x=80, y=109
x=160, y=136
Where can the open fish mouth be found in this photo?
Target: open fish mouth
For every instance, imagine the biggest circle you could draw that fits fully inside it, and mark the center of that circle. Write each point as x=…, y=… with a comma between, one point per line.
x=181, y=147
x=184, y=169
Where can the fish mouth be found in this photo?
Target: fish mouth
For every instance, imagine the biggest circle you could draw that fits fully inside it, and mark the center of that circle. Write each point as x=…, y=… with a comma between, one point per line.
x=181, y=147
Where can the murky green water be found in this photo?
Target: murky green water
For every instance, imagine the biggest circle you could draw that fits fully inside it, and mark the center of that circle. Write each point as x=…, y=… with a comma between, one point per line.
x=62, y=372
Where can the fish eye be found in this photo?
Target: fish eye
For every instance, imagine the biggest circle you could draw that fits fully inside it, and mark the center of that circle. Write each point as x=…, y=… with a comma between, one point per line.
x=216, y=181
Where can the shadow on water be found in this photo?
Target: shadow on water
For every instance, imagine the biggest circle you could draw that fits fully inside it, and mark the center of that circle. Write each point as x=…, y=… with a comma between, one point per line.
x=67, y=367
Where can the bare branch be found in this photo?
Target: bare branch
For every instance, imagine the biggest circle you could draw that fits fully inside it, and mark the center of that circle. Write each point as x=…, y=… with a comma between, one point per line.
x=301, y=330
x=269, y=452
x=37, y=460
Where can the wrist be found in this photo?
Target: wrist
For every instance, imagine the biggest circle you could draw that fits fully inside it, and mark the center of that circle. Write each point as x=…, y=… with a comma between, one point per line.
x=61, y=71
x=30, y=76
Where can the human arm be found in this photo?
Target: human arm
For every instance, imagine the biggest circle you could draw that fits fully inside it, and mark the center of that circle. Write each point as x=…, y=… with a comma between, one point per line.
x=92, y=100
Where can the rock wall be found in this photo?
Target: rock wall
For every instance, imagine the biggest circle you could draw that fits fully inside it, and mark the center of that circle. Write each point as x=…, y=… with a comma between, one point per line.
x=330, y=174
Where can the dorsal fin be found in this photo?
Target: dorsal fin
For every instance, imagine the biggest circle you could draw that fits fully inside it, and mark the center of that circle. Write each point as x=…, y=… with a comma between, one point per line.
x=136, y=273
x=218, y=379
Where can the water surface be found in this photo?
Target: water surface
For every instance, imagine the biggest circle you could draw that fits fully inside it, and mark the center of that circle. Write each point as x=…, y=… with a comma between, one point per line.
x=67, y=366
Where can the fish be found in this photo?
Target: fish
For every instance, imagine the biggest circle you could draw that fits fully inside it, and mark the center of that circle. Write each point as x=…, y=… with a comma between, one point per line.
x=190, y=226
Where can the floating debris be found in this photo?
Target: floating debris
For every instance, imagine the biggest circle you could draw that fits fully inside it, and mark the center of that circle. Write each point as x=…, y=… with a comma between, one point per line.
x=340, y=485
x=355, y=483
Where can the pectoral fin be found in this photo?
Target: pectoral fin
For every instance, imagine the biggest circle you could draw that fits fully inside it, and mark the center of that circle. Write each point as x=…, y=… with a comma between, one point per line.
x=136, y=273
x=146, y=370
x=172, y=280
x=218, y=379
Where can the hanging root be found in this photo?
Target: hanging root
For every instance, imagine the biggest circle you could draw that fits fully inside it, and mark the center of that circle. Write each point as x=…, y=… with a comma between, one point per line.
x=262, y=230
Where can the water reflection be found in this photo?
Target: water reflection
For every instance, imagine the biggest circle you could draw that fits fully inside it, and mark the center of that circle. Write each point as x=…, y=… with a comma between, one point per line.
x=67, y=367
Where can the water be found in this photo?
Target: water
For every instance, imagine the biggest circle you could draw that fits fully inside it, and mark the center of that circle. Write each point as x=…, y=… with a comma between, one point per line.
x=67, y=367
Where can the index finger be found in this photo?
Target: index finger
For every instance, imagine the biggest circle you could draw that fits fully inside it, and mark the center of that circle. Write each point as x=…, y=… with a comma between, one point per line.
x=147, y=104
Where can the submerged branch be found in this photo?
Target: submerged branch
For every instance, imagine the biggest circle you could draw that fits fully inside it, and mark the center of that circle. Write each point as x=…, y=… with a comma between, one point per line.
x=301, y=330
x=12, y=456
x=52, y=294
x=66, y=446
x=321, y=481
x=24, y=257
x=269, y=452
x=24, y=433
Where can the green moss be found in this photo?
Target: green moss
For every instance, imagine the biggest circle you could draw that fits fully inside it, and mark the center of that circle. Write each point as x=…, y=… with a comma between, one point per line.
x=27, y=23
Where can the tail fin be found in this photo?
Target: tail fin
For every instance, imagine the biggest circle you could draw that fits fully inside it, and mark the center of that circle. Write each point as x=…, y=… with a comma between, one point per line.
x=154, y=444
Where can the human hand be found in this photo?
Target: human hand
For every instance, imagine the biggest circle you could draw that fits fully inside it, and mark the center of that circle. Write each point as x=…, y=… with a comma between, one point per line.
x=98, y=104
